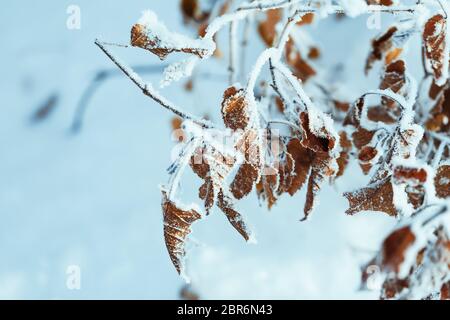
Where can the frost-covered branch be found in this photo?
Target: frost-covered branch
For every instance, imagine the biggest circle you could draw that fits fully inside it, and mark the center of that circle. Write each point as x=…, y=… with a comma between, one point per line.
x=148, y=90
x=273, y=4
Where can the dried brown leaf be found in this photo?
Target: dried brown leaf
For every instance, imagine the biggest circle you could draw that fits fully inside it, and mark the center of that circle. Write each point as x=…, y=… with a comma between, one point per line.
x=439, y=118
x=177, y=226
x=395, y=247
x=410, y=175
x=378, y=196
x=434, y=42
x=314, y=142
x=380, y=47
x=381, y=2
x=321, y=168
x=306, y=19
x=362, y=137
x=344, y=156
x=442, y=181
x=140, y=38
x=235, y=109
x=365, y=157
x=266, y=28
x=244, y=180
x=266, y=188
x=445, y=291
x=298, y=166
x=314, y=53
x=301, y=68
x=225, y=204
x=191, y=10
x=394, y=79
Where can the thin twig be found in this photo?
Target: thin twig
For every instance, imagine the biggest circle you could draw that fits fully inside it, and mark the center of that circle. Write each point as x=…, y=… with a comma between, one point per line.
x=103, y=75
x=243, y=48
x=274, y=82
x=290, y=124
x=114, y=44
x=438, y=155
x=232, y=52
x=148, y=90
x=440, y=137
x=182, y=162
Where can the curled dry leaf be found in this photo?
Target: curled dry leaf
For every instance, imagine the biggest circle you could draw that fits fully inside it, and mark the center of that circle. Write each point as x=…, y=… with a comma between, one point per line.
x=177, y=226
x=434, y=40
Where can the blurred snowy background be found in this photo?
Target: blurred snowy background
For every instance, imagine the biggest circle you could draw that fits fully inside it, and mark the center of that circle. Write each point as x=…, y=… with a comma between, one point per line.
x=92, y=200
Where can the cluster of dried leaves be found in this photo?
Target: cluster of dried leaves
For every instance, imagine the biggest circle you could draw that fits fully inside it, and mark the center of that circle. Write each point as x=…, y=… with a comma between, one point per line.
x=399, y=135
x=414, y=261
